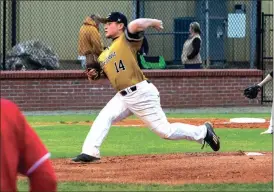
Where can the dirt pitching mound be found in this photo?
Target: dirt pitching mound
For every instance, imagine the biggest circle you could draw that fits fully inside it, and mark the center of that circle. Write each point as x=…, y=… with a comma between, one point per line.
x=170, y=169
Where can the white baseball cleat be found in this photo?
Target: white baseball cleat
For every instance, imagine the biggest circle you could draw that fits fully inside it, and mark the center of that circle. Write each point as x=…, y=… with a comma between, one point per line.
x=267, y=132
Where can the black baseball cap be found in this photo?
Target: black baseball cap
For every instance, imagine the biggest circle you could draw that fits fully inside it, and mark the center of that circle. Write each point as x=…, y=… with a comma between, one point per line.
x=115, y=17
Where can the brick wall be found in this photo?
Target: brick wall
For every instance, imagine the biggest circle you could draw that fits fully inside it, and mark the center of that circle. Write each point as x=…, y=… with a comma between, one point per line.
x=70, y=90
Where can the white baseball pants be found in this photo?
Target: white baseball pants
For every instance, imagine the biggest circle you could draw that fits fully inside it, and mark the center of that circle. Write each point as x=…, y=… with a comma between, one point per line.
x=270, y=128
x=145, y=104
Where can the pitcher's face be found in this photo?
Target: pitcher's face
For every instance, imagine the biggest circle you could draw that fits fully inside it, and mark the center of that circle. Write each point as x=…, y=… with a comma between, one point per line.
x=112, y=29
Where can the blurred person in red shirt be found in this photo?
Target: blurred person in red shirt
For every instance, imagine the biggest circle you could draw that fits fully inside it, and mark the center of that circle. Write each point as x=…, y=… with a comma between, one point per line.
x=23, y=152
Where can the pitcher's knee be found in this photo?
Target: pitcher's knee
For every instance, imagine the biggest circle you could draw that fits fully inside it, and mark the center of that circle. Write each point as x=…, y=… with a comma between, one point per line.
x=164, y=131
x=163, y=135
x=105, y=116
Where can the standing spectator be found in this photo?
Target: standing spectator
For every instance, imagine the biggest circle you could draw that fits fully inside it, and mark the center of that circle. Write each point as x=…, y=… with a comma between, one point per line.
x=144, y=48
x=191, y=57
x=23, y=152
x=90, y=44
x=142, y=51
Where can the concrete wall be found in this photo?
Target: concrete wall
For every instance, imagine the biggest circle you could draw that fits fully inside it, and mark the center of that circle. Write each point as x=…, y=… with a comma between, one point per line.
x=237, y=49
x=267, y=7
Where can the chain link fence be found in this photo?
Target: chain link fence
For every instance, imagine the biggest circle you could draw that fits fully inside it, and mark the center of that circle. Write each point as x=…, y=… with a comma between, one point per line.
x=1, y=33
x=5, y=16
x=229, y=28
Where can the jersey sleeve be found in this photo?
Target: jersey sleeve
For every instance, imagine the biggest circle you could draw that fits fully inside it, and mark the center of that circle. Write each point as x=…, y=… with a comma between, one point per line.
x=33, y=153
x=135, y=40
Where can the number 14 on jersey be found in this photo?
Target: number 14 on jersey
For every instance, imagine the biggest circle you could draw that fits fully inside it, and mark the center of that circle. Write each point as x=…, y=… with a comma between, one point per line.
x=120, y=66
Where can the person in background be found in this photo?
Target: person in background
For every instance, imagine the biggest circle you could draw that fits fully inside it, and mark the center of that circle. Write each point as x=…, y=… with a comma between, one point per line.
x=23, y=152
x=144, y=48
x=90, y=44
x=191, y=57
x=142, y=51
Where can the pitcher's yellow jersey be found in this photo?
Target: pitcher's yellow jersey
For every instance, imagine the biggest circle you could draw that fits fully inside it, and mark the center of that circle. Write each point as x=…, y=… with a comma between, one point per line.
x=119, y=62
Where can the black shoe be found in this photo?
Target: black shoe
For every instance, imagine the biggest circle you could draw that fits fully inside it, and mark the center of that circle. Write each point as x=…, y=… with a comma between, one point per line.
x=85, y=158
x=211, y=138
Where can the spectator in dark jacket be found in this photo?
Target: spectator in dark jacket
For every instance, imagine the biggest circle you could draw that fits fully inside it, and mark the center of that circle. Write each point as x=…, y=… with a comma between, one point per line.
x=143, y=51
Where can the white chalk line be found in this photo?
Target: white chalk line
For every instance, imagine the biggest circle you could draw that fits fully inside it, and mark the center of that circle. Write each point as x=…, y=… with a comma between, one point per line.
x=86, y=124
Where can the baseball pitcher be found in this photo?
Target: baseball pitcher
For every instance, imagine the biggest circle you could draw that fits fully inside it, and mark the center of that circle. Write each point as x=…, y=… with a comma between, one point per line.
x=135, y=93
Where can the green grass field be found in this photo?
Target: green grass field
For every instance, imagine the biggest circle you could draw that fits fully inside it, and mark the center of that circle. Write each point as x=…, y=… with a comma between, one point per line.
x=78, y=117
x=65, y=141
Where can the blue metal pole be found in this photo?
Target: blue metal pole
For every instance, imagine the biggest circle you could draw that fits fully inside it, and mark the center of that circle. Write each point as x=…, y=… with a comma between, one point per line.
x=13, y=23
x=253, y=27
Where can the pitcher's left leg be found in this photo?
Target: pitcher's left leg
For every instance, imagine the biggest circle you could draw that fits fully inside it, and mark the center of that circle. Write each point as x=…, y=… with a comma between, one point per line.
x=155, y=118
x=148, y=108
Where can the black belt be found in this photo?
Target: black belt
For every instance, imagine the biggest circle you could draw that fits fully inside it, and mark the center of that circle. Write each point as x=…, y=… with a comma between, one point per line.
x=133, y=88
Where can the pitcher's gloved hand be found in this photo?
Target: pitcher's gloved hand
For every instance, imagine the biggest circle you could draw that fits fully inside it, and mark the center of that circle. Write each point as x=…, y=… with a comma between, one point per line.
x=93, y=74
x=93, y=67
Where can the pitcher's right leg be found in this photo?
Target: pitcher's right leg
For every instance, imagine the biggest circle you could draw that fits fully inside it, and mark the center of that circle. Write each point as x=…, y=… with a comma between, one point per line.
x=114, y=111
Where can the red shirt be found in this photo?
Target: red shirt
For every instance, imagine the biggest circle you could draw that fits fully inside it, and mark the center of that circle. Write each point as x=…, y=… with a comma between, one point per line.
x=21, y=149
